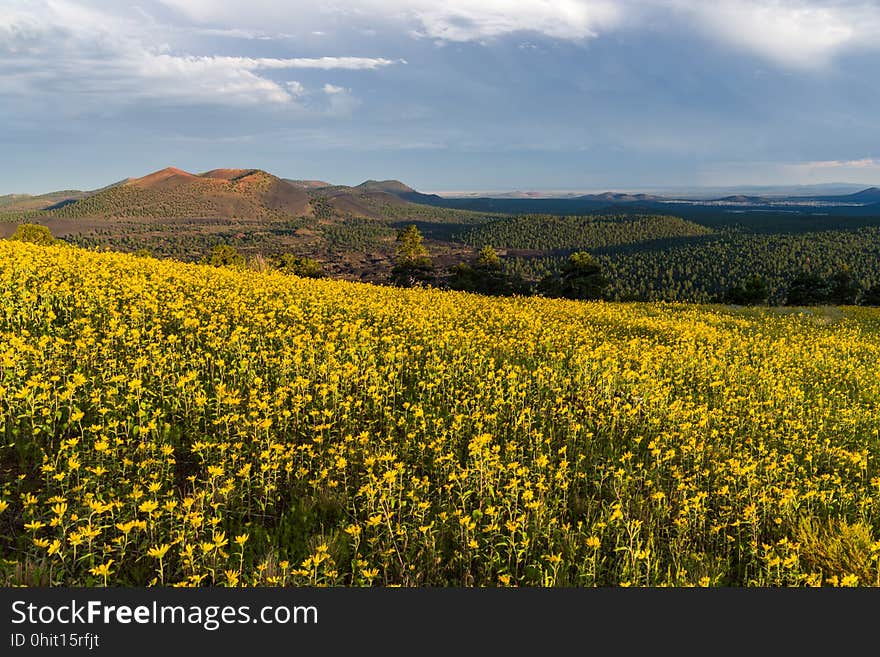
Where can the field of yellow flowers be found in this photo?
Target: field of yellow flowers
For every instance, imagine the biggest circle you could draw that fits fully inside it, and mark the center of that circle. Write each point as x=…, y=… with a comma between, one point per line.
x=174, y=424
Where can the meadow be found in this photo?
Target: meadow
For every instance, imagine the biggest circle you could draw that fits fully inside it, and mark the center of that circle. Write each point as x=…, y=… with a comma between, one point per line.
x=165, y=423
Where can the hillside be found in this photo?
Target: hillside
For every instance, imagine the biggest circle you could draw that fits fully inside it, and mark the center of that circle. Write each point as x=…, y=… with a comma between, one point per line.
x=249, y=195
x=551, y=232
x=173, y=193
x=618, y=197
x=371, y=197
x=648, y=249
x=27, y=203
x=870, y=195
x=163, y=423
x=388, y=186
x=180, y=214
x=862, y=203
x=307, y=184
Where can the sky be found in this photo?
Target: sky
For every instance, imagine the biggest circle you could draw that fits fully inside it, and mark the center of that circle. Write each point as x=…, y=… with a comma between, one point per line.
x=451, y=95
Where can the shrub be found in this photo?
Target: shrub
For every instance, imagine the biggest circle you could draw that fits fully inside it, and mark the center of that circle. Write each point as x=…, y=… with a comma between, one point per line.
x=33, y=233
x=224, y=255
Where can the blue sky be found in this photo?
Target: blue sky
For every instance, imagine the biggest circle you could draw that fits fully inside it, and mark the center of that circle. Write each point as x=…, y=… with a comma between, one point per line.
x=457, y=95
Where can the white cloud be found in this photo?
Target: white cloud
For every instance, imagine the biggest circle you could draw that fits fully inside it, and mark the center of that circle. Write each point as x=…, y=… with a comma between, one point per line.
x=324, y=63
x=341, y=102
x=864, y=171
x=233, y=33
x=797, y=33
x=865, y=163
x=100, y=58
x=463, y=20
x=99, y=53
x=295, y=88
x=792, y=33
x=451, y=20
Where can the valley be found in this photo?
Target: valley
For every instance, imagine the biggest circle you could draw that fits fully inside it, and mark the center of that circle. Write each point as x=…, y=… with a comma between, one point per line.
x=651, y=247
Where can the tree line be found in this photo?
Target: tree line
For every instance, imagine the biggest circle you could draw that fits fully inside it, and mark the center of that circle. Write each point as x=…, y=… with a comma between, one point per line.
x=582, y=232
x=579, y=276
x=806, y=289
x=582, y=276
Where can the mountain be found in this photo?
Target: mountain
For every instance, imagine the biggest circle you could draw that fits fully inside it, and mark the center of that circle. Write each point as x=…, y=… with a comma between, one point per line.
x=742, y=198
x=669, y=193
x=617, y=197
x=764, y=191
x=164, y=179
x=250, y=194
x=367, y=198
x=255, y=195
x=529, y=194
x=394, y=188
x=870, y=195
x=388, y=186
x=174, y=193
x=307, y=184
x=863, y=197
x=862, y=203
x=28, y=203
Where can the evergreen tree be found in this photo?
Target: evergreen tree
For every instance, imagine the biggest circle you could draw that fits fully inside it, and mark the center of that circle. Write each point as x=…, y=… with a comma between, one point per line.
x=488, y=259
x=486, y=276
x=580, y=277
x=754, y=291
x=807, y=289
x=413, y=266
x=871, y=297
x=300, y=266
x=844, y=290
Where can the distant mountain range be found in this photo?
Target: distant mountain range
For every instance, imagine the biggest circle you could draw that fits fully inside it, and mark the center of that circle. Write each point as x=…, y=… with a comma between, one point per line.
x=865, y=196
x=870, y=195
x=257, y=194
x=862, y=198
x=690, y=193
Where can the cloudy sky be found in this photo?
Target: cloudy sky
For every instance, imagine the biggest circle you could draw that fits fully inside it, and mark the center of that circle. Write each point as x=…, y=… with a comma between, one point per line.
x=444, y=95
